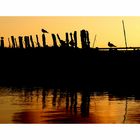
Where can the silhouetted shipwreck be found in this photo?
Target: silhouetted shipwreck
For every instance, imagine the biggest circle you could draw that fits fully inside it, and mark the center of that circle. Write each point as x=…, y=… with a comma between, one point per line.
x=27, y=62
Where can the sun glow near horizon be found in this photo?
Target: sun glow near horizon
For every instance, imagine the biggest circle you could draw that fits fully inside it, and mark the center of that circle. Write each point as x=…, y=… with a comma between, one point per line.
x=106, y=28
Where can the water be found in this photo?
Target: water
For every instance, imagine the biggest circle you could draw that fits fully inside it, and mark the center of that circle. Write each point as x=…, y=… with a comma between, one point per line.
x=38, y=105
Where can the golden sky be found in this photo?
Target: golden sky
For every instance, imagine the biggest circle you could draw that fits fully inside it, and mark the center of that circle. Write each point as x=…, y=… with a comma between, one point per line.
x=107, y=28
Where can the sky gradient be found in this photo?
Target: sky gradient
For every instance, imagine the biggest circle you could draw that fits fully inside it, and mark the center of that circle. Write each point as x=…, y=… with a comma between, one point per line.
x=107, y=28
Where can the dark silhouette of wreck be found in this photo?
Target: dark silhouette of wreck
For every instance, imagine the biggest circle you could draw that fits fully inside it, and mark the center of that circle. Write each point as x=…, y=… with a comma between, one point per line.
x=26, y=62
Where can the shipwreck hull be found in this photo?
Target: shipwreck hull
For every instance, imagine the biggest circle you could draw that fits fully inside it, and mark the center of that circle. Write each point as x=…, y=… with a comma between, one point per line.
x=70, y=67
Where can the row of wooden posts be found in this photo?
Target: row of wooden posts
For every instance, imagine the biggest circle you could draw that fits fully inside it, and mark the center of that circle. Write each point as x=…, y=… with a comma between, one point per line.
x=27, y=41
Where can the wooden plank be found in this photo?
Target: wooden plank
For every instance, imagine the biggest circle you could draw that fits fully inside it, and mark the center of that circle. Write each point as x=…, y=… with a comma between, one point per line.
x=119, y=48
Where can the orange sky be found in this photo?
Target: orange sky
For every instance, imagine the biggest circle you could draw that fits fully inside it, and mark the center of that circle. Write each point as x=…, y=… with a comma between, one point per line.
x=107, y=28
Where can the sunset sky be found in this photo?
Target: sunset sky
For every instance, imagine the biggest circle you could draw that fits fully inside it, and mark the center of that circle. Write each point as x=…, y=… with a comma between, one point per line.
x=107, y=28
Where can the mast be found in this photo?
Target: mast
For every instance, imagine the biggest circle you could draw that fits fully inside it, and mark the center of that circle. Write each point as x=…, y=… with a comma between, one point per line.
x=124, y=33
x=94, y=41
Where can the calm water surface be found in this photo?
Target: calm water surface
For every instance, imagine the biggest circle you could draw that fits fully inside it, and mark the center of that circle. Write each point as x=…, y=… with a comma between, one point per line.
x=40, y=105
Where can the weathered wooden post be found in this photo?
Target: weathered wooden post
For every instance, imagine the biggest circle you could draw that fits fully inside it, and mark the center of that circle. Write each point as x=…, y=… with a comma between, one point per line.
x=54, y=40
x=82, y=41
x=32, y=42
x=13, y=41
x=59, y=38
x=84, y=38
x=16, y=43
x=25, y=40
x=38, y=44
x=62, y=42
x=28, y=42
x=20, y=42
x=67, y=39
x=87, y=40
x=44, y=40
x=2, y=42
x=72, y=41
x=75, y=38
x=9, y=42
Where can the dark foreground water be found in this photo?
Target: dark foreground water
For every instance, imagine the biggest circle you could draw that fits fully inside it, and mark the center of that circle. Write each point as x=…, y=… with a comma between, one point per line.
x=38, y=105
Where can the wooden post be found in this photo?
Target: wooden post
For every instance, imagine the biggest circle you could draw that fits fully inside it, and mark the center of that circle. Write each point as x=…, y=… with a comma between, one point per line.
x=20, y=42
x=54, y=40
x=62, y=42
x=82, y=34
x=67, y=39
x=43, y=40
x=75, y=38
x=16, y=43
x=9, y=42
x=87, y=40
x=38, y=44
x=25, y=40
x=32, y=42
x=2, y=42
x=13, y=42
x=72, y=41
x=59, y=38
x=82, y=41
x=28, y=42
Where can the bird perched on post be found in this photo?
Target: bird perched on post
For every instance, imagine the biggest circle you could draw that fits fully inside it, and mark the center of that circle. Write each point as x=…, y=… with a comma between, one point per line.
x=111, y=45
x=44, y=31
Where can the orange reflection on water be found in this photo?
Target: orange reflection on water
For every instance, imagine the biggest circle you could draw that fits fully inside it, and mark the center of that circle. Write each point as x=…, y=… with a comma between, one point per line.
x=58, y=106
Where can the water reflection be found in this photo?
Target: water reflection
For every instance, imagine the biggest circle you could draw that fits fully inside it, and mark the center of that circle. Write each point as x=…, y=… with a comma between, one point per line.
x=125, y=115
x=85, y=104
x=40, y=105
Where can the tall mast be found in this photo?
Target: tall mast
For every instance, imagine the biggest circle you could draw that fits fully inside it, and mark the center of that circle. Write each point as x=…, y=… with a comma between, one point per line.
x=124, y=34
x=94, y=41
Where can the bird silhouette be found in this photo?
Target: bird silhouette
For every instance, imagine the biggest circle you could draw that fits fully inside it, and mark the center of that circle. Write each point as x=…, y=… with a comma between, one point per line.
x=44, y=31
x=111, y=45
